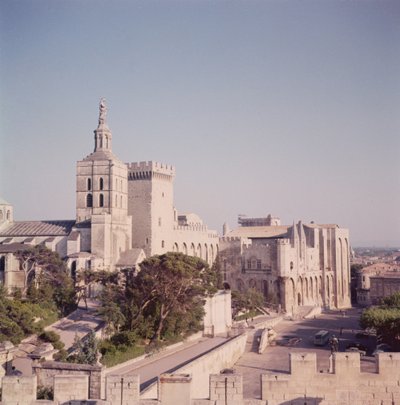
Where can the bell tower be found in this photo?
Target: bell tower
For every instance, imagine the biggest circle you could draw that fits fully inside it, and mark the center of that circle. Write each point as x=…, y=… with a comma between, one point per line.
x=102, y=197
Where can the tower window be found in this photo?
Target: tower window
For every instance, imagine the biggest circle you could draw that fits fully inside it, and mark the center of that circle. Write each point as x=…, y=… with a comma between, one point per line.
x=116, y=201
x=101, y=183
x=120, y=201
x=101, y=200
x=89, y=200
x=159, y=221
x=162, y=244
x=89, y=184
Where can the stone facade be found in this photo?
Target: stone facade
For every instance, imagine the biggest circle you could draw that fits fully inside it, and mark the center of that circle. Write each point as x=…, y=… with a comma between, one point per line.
x=156, y=226
x=383, y=286
x=293, y=266
x=377, y=281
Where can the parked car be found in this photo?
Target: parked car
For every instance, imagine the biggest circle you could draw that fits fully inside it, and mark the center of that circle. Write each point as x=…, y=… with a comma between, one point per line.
x=356, y=347
x=381, y=348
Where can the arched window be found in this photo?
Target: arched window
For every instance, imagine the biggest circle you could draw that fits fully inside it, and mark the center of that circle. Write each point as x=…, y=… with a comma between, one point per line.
x=8, y=215
x=1, y=215
x=101, y=183
x=162, y=244
x=120, y=201
x=89, y=200
x=101, y=200
x=116, y=201
x=89, y=184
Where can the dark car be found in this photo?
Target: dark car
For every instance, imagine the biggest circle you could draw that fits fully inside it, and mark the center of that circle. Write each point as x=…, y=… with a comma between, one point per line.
x=381, y=348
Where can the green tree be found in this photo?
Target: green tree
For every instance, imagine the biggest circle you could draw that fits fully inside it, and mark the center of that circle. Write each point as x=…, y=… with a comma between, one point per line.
x=246, y=301
x=85, y=350
x=166, y=285
x=385, y=319
x=47, y=278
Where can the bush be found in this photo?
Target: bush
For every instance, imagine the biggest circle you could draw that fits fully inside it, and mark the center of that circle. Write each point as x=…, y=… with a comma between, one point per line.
x=61, y=355
x=45, y=393
x=106, y=347
x=49, y=336
x=126, y=338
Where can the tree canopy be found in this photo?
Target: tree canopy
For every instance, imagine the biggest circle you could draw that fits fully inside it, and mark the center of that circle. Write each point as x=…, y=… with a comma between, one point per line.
x=47, y=280
x=166, y=297
x=246, y=301
x=385, y=319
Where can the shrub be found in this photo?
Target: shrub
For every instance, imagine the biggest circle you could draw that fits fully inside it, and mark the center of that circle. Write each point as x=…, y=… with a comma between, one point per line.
x=49, y=336
x=61, y=355
x=107, y=347
x=45, y=393
x=126, y=338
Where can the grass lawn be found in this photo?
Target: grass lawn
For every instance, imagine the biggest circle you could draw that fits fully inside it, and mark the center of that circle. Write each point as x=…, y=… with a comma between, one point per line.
x=112, y=359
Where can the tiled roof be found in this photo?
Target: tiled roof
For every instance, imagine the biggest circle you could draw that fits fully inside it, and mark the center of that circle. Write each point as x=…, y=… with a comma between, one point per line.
x=130, y=257
x=38, y=228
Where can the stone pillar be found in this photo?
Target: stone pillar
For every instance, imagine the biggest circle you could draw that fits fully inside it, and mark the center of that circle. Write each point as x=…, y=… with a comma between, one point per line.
x=122, y=390
x=226, y=388
x=388, y=365
x=303, y=365
x=346, y=366
x=22, y=388
x=175, y=389
x=70, y=387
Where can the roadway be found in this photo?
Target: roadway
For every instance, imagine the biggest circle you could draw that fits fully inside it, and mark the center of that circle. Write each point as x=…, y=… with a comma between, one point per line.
x=297, y=336
x=166, y=362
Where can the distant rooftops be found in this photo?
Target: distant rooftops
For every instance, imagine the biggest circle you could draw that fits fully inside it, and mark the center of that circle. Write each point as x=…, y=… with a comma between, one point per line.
x=260, y=231
x=38, y=228
x=243, y=220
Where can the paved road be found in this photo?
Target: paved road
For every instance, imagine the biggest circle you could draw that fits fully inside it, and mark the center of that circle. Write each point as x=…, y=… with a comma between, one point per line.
x=276, y=358
x=149, y=369
x=78, y=323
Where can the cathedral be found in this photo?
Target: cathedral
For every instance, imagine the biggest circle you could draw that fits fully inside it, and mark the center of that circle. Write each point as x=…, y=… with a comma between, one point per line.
x=125, y=212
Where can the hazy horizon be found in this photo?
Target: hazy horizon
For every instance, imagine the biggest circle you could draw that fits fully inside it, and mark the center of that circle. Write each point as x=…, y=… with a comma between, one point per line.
x=288, y=108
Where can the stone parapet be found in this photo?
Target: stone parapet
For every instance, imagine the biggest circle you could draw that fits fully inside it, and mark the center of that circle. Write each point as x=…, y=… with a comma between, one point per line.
x=226, y=388
x=303, y=385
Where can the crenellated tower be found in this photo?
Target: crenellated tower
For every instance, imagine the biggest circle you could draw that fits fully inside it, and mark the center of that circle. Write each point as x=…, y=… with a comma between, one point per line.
x=150, y=186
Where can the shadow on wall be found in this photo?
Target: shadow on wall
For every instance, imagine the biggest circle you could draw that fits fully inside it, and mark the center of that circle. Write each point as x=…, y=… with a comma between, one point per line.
x=303, y=401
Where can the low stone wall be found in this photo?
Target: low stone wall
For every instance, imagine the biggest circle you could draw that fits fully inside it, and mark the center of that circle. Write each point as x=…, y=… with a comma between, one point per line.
x=47, y=370
x=224, y=356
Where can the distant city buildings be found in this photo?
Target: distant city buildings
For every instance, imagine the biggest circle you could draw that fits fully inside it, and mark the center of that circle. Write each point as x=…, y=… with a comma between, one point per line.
x=377, y=281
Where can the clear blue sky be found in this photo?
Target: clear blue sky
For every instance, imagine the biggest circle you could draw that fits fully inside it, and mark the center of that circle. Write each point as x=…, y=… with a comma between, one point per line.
x=282, y=107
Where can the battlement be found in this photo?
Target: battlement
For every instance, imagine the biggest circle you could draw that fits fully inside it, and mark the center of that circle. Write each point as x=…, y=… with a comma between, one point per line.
x=146, y=170
x=283, y=241
x=344, y=384
x=254, y=248
x=197, y=228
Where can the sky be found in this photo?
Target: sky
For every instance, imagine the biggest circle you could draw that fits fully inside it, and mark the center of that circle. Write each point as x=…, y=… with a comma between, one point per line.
x=282, y=107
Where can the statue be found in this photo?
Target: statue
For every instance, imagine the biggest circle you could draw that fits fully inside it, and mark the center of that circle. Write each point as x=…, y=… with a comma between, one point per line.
x=103, y=111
